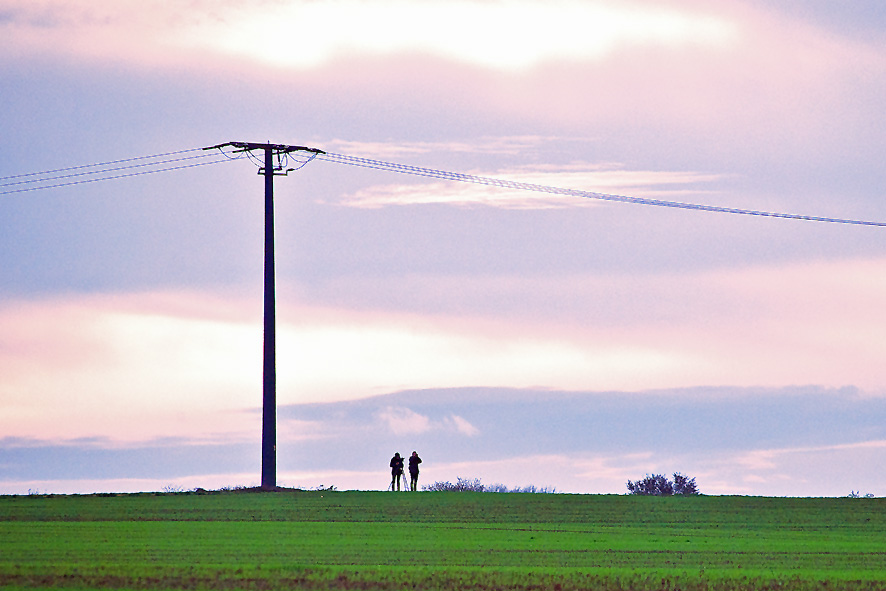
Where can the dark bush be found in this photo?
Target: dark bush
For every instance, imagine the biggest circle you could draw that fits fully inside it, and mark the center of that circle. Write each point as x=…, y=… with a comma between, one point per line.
x=683, y=485
x=659, y=485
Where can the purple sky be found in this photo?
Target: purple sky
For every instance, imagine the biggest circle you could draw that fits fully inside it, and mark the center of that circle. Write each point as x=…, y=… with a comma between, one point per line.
x=130, y=310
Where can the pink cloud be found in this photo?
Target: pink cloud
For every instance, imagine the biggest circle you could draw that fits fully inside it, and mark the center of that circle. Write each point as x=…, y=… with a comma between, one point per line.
x=786, y=324
x=124, y=367
x=140, y=366
x=765, y=82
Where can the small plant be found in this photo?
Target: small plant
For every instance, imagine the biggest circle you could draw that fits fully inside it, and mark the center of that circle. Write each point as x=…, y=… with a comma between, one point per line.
x=659, y=485
x=235, y=488
x=857, y=495
x=542, y=490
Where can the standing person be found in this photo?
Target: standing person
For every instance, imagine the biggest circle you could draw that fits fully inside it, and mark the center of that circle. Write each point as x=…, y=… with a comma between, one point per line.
x=396, y=470
x=414, y=461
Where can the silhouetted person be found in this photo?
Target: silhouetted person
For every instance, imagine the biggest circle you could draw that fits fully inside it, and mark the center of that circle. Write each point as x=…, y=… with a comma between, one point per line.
x=414, y=461
x=396, y=470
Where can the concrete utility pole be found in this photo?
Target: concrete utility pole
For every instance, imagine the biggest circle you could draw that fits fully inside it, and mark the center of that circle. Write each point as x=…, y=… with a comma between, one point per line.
x=269, y=373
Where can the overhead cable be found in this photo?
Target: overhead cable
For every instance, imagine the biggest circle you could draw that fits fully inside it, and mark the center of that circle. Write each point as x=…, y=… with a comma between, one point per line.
x=157, y=163
x=482, y=180
x=105, y=171
x=3, y=178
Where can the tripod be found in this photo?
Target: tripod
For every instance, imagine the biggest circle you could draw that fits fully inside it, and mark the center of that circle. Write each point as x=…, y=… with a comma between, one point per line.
x=396, y=478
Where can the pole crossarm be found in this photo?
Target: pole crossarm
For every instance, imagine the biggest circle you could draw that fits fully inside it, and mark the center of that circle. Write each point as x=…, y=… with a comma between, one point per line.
x=276, y=148
x=279, y=151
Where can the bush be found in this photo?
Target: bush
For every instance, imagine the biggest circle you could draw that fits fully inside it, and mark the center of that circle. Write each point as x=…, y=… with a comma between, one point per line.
x=462, y=485
x=533, y=489
x=683, y=485
x=474, y=485
x=659, y=485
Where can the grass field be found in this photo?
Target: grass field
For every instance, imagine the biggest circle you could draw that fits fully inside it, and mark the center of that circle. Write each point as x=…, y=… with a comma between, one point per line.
x=377, y=540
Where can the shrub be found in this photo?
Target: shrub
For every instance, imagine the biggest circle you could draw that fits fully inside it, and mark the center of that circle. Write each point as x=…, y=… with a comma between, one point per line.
x=474, y=485
x=659, y=485
x=683, y=485
x=461, y=485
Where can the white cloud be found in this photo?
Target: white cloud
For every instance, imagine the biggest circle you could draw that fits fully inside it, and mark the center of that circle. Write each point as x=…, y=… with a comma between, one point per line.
x=304, y=34
x=522, y=34
x=463, y=426
x=594, y=178
x=403, y=421
x=502, y=145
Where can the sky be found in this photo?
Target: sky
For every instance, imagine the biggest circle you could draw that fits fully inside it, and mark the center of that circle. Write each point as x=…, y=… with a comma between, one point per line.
x=518, y=337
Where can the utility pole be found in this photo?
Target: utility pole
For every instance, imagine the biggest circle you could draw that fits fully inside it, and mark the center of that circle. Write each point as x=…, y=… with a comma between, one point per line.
x=272, y=153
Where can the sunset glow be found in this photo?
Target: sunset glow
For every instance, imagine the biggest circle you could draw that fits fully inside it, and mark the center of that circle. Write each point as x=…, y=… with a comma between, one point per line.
x=307, y=35
x=519, y=336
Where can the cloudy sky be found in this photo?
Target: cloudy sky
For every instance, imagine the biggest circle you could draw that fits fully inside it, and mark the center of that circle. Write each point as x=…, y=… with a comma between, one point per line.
x=513, y=336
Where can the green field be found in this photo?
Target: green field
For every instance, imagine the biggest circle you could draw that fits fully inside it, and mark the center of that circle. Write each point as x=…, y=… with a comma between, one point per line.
x=441, y=540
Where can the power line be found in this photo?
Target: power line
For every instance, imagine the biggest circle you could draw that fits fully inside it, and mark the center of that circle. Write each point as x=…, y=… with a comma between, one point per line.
x=102, y=171
x=36, y=181
x=119, y=176
x=15, y=176
x=482, y=180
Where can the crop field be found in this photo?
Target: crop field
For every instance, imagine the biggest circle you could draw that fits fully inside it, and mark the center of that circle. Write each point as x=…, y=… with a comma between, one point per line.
x=439, y=540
